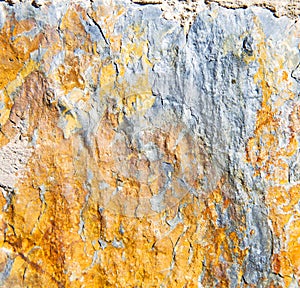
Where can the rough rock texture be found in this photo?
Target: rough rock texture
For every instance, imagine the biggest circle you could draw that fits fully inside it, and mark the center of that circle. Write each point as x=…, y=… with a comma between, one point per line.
x=290, y=8
x=139, y=153
x=186, y=11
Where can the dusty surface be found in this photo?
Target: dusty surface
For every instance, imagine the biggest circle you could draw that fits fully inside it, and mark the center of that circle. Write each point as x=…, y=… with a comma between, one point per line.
x=137, y=151
x=290, y=8
x=185, y=11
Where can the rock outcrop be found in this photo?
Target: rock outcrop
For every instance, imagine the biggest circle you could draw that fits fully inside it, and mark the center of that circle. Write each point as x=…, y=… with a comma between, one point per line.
x=146, y=146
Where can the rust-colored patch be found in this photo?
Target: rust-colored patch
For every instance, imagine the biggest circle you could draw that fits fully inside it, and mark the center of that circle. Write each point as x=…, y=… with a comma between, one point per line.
x=270, y=160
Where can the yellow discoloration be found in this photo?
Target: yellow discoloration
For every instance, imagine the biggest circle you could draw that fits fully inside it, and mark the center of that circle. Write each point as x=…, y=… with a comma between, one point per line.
x=77, y=95
x=14, y=53
x=271, y=160
x=5, y=109
x=136, y=96
x=83, y=216
x=15, y=62
x=108, y=77
x=286, y=226
x=6, y=96
x=108, y=14
x=72, y=125
x=23, y=26
x=70, y=76
x=25, y=71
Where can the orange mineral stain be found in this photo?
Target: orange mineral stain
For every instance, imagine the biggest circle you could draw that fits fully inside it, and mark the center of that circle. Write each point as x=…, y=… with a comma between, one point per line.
x=270, y=160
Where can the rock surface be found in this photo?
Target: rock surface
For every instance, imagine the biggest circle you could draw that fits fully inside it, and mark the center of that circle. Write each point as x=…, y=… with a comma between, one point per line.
x=139, y=151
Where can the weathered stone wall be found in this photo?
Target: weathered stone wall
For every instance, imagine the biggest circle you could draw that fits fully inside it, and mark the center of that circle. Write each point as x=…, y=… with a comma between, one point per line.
x=149, y=145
